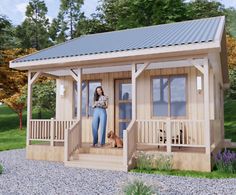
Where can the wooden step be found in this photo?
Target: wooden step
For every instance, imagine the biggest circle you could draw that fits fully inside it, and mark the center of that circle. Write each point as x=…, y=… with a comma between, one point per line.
x=98, y=158
x=115, y=166
x=101, y=151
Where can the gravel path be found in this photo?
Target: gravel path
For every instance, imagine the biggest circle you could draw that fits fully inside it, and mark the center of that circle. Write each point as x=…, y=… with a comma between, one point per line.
x=23, y=176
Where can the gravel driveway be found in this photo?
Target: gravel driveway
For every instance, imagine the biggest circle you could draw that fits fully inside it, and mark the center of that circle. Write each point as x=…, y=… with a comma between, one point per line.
x=23, y=176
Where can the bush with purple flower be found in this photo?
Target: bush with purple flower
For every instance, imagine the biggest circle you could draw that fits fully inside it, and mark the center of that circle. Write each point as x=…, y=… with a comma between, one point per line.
x=226, y=161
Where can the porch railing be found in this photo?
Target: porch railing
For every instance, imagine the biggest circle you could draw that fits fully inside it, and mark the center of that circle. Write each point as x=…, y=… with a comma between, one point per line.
x=130, y=142
x=49, y=130
x=182, y=132
x=73, y=139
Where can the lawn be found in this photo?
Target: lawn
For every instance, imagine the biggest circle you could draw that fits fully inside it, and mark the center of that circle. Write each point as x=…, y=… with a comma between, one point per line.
x=230, y=119
x=215, y=174
x=11, y=137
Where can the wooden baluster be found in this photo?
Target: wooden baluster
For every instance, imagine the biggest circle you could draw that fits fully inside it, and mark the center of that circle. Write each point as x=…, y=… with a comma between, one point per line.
x=52, y=132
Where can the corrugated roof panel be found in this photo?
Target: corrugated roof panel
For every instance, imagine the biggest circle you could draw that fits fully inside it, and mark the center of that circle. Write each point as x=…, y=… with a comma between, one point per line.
x=188, y=32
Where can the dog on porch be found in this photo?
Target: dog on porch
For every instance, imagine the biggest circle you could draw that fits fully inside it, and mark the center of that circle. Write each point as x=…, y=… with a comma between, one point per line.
x=114, y=140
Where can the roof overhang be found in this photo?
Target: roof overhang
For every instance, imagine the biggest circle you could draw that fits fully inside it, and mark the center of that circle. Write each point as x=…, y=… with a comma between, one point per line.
x=137, y=56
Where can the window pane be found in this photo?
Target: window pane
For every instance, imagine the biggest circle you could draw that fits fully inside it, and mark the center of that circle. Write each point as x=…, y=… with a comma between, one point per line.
x=125, y=91
x=84, y=98
x=160, y=96
x=122, y=127
x=92, y=87
x=125, y=110
x=178, y=96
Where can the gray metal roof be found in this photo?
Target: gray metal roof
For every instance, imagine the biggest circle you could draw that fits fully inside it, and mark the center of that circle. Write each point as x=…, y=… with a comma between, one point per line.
x=180, y=33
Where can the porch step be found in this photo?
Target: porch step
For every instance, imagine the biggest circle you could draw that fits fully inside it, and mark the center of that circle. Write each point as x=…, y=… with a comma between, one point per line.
x=97, y=158
x=101, y=151
x=96, y=161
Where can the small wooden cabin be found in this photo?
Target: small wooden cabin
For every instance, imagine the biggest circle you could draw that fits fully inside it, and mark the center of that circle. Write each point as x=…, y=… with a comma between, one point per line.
x=166, y=95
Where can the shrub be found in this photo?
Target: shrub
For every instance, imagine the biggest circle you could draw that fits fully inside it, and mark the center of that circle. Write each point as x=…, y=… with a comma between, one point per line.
x=1, y=169
x=143, y=161
x=226, y=161
x=161, y=162
x=137, y=188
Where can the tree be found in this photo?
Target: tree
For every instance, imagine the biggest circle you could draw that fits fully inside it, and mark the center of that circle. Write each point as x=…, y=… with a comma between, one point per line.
x=7, y=34
x=90, y=26
x=33, y=32
x=17, y=103
x=12, y=80
x=69, y=15
x=231, y=22
x=44, y=96
x=120, y=14
x=197, y=9
x=231, y=50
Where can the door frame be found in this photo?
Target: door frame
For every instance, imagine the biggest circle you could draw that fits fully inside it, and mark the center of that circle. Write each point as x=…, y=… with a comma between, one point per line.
x=117, y=101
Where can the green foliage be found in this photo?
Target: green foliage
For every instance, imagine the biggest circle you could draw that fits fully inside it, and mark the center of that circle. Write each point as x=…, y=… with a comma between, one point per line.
x=231, y=93
x=33, y=32
x=90, y=26
x=146, y=161
x=230, y=119
x=70, y=14
x=1, y=169
x=137, y=188
x=215, y=174
x=197, y=9
x=129, y=14
x=44, y=96
x=7, y=34
x=231, y=22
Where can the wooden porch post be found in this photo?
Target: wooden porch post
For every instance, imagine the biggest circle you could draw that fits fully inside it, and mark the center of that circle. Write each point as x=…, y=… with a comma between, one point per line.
x=78, y=77
x=206, y=106
x=134, y=91
x=135, y=74
x=31, y=81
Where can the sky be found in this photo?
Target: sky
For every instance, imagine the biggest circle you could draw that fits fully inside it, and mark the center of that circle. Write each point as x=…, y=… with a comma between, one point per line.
x=15, y=9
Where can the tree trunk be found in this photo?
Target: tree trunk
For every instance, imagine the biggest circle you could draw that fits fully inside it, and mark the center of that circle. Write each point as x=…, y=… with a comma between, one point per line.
x=20, y=119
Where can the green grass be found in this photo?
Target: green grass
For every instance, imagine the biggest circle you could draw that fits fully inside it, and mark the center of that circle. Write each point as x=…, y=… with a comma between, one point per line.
x=11, y=137
x=210, y=175
x=230, y=119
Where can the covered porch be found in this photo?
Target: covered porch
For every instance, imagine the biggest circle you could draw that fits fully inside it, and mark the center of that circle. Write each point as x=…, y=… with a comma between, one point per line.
x=190, y=134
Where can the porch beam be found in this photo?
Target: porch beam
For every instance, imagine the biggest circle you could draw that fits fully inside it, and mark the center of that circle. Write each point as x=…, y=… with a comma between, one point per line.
x=198, y=64
x=200, y=68
x=73, y=74
x=34, y=78
x=141, y=69
x=207, y=106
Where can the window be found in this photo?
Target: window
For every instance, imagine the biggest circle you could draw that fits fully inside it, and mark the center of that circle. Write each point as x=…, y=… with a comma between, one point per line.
x=169, y=96
x=88, y=88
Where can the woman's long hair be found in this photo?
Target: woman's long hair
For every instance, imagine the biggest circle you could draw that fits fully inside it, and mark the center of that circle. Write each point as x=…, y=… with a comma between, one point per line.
x=96, y=96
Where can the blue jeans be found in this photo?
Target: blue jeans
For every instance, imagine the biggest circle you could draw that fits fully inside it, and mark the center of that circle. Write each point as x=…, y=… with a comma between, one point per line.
x=99, y=116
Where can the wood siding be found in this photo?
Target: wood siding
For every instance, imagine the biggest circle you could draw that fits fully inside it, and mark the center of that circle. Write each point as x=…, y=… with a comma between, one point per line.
x=195, y=99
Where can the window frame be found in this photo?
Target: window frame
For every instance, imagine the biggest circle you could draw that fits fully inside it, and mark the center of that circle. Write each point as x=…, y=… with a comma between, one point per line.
x=87, y=81
x=169, y=96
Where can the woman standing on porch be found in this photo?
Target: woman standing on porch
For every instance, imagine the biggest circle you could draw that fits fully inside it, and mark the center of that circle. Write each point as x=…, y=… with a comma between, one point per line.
x=100, y=105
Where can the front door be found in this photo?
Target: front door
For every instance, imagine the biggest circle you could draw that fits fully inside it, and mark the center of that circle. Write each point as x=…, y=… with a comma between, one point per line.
x=123, y=105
